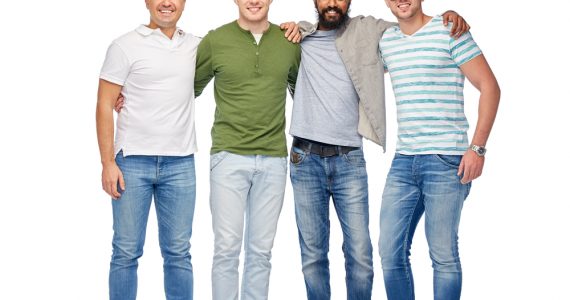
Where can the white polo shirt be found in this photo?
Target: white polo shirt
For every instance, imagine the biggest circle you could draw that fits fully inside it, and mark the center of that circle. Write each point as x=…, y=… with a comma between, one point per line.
x=157, y=76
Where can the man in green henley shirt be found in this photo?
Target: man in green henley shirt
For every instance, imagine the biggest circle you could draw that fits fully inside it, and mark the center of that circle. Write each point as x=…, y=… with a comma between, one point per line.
x=252, y=64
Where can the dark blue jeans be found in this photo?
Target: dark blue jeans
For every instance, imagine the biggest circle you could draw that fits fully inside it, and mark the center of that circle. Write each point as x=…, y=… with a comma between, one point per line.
x=419, y=184
x=315, y=180
x=171, y=181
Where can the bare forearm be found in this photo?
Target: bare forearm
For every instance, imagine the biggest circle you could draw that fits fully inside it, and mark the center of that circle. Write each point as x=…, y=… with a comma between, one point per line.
x=488, y=106
x=106, y=98
x=105, y=133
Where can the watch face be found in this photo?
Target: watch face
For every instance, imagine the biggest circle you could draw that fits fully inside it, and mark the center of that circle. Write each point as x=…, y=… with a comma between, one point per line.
x=479, y=150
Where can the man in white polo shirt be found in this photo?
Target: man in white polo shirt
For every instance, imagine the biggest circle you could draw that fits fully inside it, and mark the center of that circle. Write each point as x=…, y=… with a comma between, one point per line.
x=152, y=155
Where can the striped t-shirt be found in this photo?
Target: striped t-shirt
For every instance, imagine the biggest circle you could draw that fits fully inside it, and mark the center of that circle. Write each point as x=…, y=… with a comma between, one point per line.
x=428, y=86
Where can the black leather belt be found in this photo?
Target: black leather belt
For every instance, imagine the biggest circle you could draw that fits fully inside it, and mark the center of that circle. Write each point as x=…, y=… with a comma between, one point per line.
x=320, y=148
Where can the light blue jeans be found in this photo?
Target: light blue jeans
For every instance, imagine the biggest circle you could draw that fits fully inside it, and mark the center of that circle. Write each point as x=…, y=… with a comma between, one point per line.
x=315, y=180
x=171, y=181
x=418, y=184
x=244, y=190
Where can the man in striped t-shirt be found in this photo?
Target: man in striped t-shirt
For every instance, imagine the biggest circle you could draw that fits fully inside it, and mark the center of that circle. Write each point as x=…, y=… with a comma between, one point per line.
x=434, y=163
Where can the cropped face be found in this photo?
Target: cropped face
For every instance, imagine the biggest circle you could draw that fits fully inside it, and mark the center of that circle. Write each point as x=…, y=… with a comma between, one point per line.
x=404, y=9
x=164, y=13
x=332, y=13
x=253, y=10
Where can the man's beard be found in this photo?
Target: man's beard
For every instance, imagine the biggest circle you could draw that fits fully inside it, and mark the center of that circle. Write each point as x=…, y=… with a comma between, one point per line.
x=342, y=18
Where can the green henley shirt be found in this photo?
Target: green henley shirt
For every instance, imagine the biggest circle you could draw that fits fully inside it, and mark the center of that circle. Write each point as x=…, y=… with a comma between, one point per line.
x=250, y=87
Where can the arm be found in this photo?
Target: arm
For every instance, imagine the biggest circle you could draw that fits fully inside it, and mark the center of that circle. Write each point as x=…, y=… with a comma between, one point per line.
x=292, y=77
x=204, y=69
x=111, y=175
x=480, y=75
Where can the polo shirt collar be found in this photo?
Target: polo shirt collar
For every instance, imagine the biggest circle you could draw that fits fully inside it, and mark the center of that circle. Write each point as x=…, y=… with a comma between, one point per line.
x=146, y=31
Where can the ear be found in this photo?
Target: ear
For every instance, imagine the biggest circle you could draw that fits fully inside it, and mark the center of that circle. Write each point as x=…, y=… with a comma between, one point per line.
x=147, y=4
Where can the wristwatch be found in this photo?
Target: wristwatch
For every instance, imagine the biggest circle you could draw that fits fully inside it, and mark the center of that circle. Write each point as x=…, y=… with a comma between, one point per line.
x=479, y=150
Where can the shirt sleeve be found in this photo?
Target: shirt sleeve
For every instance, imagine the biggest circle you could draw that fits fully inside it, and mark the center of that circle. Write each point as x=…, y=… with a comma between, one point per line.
x=463, y=49
x=294, y=70
x=204, y=69
x=116, y=66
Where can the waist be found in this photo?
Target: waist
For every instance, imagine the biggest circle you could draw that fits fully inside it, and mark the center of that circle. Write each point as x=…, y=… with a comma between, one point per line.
x=321, y=149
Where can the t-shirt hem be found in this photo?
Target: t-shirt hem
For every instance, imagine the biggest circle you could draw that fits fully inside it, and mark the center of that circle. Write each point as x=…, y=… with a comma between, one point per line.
x=155, y=153
x=241, y=152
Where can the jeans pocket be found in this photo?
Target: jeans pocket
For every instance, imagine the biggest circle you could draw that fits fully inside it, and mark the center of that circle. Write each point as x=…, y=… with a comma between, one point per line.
x=451, y=161
x=297, y=156
x=355, y=158
x=217, y=158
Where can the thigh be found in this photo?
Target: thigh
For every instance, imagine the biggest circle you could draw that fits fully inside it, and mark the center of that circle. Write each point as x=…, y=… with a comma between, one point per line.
x=265, y=200
x=444, y=195
x=230, y=182
x=402, y=206
x=175, y=197
x=130, y=211
x=349, y=190
x=311, y=197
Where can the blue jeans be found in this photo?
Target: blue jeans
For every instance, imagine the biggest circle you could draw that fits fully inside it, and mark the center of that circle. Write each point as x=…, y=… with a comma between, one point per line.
x=418, y=184
x=172, y=182
x=245, y=191
x=315, y=180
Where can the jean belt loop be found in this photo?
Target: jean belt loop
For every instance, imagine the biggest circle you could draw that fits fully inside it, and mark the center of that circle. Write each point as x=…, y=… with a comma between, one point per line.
x=309, y=148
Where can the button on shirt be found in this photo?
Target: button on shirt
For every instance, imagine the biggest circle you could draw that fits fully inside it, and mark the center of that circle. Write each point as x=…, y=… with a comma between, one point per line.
x=156, y=74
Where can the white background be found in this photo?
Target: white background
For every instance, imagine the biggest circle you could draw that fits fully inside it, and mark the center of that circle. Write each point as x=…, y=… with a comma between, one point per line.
x=55, y=221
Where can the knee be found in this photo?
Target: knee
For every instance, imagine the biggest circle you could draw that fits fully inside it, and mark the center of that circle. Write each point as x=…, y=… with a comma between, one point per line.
x=445, y=260
x=126, y=252
x=175, y=248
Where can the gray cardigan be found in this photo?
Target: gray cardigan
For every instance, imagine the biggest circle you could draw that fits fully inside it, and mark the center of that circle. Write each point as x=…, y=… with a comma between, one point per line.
x=357, y=43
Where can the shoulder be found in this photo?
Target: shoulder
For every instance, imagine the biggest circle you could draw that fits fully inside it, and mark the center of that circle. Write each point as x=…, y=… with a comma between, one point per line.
x=221, y=33
x=436, y=24
x=128, y=38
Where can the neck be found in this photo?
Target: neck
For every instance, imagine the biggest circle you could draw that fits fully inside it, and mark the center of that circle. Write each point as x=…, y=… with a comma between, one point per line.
x=410, y=25
x=254, y=27
x=323, y=28
x=168, y=31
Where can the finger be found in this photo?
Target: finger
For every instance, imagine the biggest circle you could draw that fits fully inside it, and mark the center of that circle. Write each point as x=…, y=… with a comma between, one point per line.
x=114, y=191
x=121, y=182
x=283, y=25
x=288, y=33
x=460, y=29
x=461, y=168
x=468, y=176
x=109, y=189
x=454, y=28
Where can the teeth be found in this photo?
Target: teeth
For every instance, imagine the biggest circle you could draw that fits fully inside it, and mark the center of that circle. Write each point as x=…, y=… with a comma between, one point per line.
x=166, y=11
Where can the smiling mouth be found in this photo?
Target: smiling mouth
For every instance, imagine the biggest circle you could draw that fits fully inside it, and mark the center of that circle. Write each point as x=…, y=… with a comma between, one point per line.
x=331, y=12
x=166, y=12
x=254, y=9
x=404, y=6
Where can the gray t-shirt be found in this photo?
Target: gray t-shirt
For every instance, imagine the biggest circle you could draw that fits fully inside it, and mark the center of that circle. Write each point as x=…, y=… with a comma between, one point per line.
x=325, y=107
